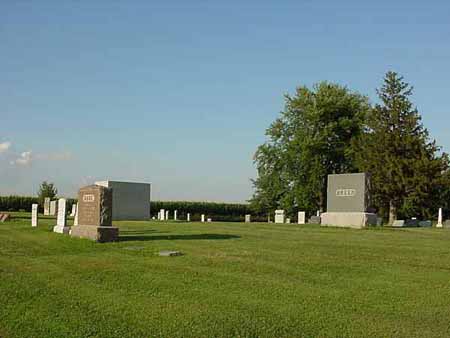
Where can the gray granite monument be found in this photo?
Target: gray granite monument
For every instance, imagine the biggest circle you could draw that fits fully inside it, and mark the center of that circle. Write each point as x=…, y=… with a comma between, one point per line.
x=348, y=201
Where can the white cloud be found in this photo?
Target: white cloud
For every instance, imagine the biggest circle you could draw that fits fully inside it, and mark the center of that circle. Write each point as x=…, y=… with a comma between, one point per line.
x=4, y=146
x=24, y=159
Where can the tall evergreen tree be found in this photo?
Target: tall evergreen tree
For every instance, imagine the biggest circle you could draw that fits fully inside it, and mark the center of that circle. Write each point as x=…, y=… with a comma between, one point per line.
x=310, y=140
x=404, y=163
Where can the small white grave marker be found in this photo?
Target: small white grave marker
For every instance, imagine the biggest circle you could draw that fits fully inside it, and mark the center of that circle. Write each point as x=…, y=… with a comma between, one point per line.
x=439, y=223
x=34, y=215
x=301, y=217
x=61, y=223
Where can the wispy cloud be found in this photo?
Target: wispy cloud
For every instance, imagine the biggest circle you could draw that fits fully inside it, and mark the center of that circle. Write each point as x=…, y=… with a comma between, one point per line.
x=24, y=159
x=57, y=156
x=4, y=146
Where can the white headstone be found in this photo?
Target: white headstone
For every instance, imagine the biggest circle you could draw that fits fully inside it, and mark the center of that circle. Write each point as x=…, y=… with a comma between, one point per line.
x=46, y=206
x=318, y=213
x=288, y=220
x=175, y=215
x=52, y=208
x=61, y=222
x=162, y=214
x=439, y=223
x=209, y=220
x=188, y=217
x=248, y=218
x=167, y=215
x=279, y=216
x=203, y=217
x=74, y=210
x=75, y=221
x=301, y=217
x=34, y=215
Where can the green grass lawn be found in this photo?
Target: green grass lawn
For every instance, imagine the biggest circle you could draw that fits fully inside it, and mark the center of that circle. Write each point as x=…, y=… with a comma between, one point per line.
x=234, y=280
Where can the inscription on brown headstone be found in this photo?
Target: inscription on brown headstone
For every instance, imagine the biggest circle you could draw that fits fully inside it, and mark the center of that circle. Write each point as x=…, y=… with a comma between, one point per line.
x=95, y=206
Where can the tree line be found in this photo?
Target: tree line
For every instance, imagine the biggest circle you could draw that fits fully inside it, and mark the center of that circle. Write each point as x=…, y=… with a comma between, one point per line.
x=329, y=129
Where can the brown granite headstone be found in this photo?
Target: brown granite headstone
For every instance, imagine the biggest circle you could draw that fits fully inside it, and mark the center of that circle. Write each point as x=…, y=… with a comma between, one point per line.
x=95, y=214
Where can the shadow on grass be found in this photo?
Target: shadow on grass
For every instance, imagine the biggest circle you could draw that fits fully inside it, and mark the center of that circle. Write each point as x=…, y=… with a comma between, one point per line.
x=125, y=236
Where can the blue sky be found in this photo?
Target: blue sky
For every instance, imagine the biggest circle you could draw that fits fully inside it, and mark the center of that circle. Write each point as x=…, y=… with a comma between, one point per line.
x=179, y=93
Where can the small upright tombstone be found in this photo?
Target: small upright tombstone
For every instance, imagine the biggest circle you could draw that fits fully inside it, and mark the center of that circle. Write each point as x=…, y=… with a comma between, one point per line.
x=74, y=210
x=53, y=208
x=439, y=223
x=209, y=220
x=75, y=220
x=167, y=215
x=188, y=217
x=301, y=217
x=175, y=215
x=47, y=206
x=288, y=220
x=279, y=216
x=34, y=215
x=61, y=222
x=162, y=214
x=203, y=217
x=248, y=218
x=95, y=214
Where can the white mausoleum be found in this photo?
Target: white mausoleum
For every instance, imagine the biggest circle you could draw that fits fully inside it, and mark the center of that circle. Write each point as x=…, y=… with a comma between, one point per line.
x=131, y=200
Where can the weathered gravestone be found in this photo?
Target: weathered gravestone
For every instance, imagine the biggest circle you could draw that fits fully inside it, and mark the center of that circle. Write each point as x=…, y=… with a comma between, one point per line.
x=425, y=224
x=203, y=218
x=47, y=206
x=315, y=220
x=53, y=208
x=279, y=216
x=162, y=213
x=61, y=221
x=301, y=217
x=175, y=215
x=167, y=215
x=75, y=220
x=248, y=218
x=348, y=201
x=288, y=220
x=95, y=215
x=399, y=223
x=74, y=210
x=34, y=215
x=188, y=217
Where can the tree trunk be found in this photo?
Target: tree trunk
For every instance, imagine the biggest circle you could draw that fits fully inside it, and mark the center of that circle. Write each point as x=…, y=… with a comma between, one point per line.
x=392, y=212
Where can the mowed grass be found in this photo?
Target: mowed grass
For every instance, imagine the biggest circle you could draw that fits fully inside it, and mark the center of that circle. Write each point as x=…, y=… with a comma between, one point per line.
x=234, y=280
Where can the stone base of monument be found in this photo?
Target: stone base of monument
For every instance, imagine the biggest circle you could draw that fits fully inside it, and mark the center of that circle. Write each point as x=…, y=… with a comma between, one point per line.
x=61, y=230
x=349, y=219
x=100, y=234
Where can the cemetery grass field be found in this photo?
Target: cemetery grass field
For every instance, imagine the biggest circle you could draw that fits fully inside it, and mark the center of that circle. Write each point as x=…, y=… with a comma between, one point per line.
x=234, y=280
